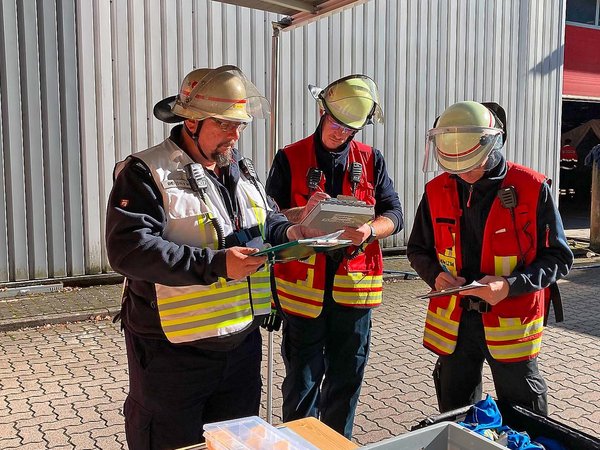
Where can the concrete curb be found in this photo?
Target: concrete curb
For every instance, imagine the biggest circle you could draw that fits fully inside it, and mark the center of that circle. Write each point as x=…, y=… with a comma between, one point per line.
x=53, y=319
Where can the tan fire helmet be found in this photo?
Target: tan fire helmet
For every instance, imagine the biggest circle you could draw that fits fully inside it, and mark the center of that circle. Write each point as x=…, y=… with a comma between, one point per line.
x=465, y=136
x=352, y=101
x=223, y=93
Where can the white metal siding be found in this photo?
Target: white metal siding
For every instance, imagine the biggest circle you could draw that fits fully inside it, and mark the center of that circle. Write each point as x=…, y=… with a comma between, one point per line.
x=79, y=78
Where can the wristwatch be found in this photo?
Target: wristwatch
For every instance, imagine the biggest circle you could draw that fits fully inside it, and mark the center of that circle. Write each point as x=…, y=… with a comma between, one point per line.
x=372, y=236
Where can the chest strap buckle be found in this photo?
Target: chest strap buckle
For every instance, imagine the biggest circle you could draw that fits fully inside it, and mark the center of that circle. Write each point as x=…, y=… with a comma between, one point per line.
x=469, y=303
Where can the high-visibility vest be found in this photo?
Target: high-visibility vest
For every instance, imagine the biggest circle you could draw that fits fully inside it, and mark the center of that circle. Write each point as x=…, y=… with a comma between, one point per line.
x=358, y=281
x=513, y=328
x=190, y=313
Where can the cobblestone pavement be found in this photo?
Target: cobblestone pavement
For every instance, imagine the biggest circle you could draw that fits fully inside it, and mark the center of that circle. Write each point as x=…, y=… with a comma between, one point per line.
x=62, y=385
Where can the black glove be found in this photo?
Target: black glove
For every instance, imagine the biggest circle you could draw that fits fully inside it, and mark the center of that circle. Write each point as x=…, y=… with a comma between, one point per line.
x=273, y=321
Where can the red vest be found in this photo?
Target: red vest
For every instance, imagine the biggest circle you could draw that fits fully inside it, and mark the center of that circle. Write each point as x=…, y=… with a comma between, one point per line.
x=568, y=152
x=513, y=328
x=358, y=282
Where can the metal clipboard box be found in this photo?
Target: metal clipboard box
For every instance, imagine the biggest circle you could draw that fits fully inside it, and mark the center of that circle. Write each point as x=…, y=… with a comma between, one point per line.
x=333, y=214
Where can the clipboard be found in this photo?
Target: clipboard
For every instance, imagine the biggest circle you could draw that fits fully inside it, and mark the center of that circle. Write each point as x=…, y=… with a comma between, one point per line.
x=452, y=290
x=301, y=249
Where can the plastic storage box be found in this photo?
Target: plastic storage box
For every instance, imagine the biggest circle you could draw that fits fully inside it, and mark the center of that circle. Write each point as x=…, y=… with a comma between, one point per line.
x=441, y=436
x=251, y=433
x=521, y=419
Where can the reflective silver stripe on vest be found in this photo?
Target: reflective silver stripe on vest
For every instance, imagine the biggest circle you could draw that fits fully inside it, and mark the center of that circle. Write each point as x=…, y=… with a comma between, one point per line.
x=206, y=311
x=261, y=291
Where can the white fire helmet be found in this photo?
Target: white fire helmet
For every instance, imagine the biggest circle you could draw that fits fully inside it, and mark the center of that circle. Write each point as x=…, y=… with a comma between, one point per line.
x=466, y=136
x=223, y=93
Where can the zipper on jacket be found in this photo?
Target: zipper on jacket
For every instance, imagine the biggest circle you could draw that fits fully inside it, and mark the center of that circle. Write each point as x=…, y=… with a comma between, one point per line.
x=470, y=195
x=547, y=235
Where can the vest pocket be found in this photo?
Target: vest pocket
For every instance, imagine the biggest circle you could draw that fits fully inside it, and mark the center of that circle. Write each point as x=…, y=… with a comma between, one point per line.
x=366, y=262
x=294, y=270
x=182, y=205
x=521, y=306
x=444, y=234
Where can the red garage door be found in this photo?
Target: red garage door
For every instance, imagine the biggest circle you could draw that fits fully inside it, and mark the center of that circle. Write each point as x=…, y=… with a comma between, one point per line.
x=582, y=63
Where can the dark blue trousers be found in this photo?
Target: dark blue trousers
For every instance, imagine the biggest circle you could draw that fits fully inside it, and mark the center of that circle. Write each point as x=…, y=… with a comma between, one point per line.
x=175, y=390
x=460, y=377
x=325, y=360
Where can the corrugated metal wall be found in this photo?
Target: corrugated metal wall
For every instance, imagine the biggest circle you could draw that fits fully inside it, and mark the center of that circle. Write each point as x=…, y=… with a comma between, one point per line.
x=78, y=80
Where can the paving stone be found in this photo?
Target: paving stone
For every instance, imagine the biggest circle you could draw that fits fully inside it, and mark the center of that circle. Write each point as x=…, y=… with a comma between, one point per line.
x=56, y=437
x=78, y=370
x=8, y=431
x=82, y=441
x=7, y=444
x=31, y=435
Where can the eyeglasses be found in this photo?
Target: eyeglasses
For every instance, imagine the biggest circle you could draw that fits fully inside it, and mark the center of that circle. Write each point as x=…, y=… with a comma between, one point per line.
x=227, y=127
x=335, y=126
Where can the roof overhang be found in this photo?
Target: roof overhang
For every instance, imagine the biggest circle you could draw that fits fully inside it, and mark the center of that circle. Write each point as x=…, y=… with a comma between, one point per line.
x=297, y=12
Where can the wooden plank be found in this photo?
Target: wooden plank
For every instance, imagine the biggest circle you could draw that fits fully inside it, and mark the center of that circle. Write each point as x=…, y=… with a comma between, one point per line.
x=319, y=434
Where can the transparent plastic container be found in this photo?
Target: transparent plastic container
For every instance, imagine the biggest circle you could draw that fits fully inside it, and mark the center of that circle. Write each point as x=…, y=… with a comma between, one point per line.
x=251, y=433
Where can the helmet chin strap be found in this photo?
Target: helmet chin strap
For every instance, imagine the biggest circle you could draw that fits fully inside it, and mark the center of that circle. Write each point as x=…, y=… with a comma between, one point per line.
x=194, y=137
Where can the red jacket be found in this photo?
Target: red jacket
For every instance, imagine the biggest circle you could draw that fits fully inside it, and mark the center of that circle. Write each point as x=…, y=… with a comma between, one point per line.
x=358, y=281
x=513, y=328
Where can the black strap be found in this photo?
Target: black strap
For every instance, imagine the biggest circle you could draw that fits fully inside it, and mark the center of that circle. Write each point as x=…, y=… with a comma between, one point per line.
x=274, y=292
x=556, y=301
x=241, y=237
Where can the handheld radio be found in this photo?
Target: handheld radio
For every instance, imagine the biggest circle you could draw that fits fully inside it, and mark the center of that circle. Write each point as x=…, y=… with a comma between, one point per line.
x=248, y=170
x=508, y=198
x=313, y=178
x=196, y=177
x=355, y=172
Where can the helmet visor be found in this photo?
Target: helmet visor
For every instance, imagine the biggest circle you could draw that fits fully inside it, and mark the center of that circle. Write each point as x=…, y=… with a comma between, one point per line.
x=459, y=149
x=353, y=101
x=224, y=93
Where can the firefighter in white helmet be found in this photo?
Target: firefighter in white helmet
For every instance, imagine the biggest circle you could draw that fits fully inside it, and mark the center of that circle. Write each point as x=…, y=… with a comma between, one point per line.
x=327, y=300
x=494, y=222
x=184, y=219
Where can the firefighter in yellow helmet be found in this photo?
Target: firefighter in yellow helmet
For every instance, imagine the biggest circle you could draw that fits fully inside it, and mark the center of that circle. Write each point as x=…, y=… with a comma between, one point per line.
x=184, y=220
x=327, y=300
x=493, y=222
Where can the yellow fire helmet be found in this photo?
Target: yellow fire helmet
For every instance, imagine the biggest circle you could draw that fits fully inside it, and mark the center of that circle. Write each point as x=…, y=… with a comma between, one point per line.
x=352, y=101
x=467, y=135
x=224, y=93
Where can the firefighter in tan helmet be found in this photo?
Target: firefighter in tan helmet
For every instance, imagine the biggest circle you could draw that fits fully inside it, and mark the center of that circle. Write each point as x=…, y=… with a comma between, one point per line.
x=184, y=220
x=327, y=301
x=489, y=221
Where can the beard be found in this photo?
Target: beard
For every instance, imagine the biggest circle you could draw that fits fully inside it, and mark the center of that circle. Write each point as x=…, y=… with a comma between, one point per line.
x=223, y=159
